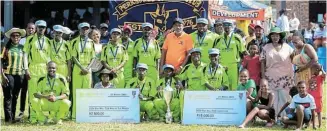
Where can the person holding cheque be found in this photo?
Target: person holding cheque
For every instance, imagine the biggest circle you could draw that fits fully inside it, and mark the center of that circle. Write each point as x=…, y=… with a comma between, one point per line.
x=51, y=95
x=168, y=81
x=147, y=92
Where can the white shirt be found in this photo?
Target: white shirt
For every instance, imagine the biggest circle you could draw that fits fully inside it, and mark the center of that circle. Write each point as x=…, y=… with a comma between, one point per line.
x=22, y=41
x=320, y=33
x=308, y=34
x=100, y=86
x=283, y=23
x=307, y=102
x=294, y=24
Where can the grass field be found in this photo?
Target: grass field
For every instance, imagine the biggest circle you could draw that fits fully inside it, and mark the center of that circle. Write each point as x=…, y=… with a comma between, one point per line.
x=144, y=126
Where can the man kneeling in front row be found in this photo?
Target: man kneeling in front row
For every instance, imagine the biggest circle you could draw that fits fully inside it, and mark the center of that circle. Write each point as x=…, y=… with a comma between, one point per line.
x=52, y=93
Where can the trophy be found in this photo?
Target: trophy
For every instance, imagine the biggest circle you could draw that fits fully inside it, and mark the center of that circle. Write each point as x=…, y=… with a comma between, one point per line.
x=95, y=65
x=168, y=94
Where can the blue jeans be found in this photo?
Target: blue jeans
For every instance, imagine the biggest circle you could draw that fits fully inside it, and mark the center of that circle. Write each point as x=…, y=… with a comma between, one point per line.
x=306, y=118
x=308, y=41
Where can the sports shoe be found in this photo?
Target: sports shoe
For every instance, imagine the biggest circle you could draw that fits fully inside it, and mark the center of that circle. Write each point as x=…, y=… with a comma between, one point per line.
x=20, y=115
x=59, y=122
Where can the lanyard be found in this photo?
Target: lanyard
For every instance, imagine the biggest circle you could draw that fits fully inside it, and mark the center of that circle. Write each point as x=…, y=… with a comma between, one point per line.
x=51, y=85
x=127, y=44
x=213, y=71
x=201, y=39
x=146, y=46
x=230, y=39
x=143, y=86
x=40, y=44
x=112, y=52
x=169, y=82
x=55, y=46
x=83, y=45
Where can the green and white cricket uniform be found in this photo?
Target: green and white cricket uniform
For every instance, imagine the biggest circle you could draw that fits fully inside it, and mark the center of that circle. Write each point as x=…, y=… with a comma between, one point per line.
x=60, y=55
x=38, y=51
x=216, y=77
x=84, y=52
x=128, y=68
x=160, y=103
x=114, y=55
x=230, y=50
x=147, y=89
x=148, y=53
x=204, y=43
x=55, y=86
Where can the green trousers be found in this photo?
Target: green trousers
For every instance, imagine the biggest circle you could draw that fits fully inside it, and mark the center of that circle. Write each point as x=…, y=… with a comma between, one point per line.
x=153, y=73
x=233, y=76
x=36, y=71
x=148, y=108
x=119, y=81
x=161, y=107
x=79, y=82
x=128, y=72
x=58, y=109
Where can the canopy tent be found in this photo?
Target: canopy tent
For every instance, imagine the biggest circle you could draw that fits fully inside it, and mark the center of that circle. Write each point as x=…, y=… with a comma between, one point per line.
x=239, y=10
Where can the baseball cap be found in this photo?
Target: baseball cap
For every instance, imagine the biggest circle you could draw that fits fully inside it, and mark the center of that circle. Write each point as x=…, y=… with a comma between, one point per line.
x=168, y=66
x=218, y=22
x=115, y=30
x=258, y=26
x=252, y=26
x=41, y=23
x=195, y=50
x=213, y=51
x=83, y=24
x=179, y=20
x=141, y=65
x=58, y=28
x=147, y=24
x=202, y=20
x=103, y=25
x=127, y=27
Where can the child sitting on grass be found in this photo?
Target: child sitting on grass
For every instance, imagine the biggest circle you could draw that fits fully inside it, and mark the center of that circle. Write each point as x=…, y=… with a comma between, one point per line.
x=248, y=85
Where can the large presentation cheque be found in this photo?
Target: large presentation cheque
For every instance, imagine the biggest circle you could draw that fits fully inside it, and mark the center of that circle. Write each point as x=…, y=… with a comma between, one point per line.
x=108, y=105
x=214, y=107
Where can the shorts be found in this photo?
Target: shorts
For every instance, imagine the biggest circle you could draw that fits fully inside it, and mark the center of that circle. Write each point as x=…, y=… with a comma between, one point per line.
x=307, y=116
x=319, y=41
x=308, y=41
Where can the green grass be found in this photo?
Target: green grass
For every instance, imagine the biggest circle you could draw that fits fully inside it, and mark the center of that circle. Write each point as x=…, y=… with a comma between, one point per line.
x=144, y=126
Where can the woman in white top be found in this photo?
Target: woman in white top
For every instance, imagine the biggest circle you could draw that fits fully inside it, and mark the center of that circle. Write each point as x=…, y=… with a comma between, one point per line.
x=106, y=76
x=95, y=36
x=320, y=36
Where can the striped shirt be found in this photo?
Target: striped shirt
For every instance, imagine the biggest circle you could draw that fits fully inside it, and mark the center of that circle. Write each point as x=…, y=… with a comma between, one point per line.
x=12, y=58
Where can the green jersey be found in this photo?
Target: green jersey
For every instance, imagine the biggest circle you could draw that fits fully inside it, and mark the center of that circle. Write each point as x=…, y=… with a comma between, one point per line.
x=57, y=86
x=83, y=50
x=129, y=46
x=147, y=52
x=37, y=49
x=114, y=55
x=249, y=84
x=14, y=59
x=230, y=47
x=194, y=77
x=147, y=86
x=60, y=52
x=216, y=77
x=204, y=43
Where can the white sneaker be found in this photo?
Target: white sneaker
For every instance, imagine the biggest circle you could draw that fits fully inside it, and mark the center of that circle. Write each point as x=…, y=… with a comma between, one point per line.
x=20, y=115
x=59, y=122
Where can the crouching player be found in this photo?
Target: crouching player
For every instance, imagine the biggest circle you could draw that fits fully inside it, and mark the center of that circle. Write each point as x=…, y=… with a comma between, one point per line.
x=52, y=95
x=159, y=103
x=147, y=92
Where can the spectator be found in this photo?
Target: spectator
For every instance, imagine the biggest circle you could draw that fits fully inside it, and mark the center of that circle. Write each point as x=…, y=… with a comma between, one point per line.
x=294, y=23
x=264, y=109
x=176, y=47
x=95, y=36
x=316, y=88
x=282, y=22
x=308, y=33
x=277, y=67
x=105, y=36
x=260, y=38
x=302, y=108
x=249, y=86
x=13, y=72
x=30, y=30
x=286, y=108
x=252, y=63
x=320, y=36
x=304, y=57
x=106, y=77
x=251, y=35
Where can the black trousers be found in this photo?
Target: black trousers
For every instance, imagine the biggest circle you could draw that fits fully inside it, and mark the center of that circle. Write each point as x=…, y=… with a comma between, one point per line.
x=23, y=95
x=10, y=93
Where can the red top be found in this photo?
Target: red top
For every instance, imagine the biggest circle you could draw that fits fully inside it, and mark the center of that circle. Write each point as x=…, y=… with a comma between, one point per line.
x=252, y=64
x=315, y=85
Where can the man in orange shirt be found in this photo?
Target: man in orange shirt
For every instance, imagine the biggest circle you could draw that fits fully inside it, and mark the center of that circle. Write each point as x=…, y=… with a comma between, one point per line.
x=176, y=47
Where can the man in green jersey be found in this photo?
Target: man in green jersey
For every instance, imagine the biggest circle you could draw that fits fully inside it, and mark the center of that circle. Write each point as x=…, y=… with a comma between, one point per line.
x=37, y=49
x=231, y=49
x=215, y=74
x=203, y=38
x=147, y=50
x=147, y=91
x=51, y=95
x=114, y=57
x=129, y=46
x=82, y=52
x=159, y=102
x=60, y=53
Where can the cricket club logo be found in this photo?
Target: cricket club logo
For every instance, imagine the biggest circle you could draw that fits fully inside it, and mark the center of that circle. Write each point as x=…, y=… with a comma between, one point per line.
x=134, y=94
x=240, y=95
